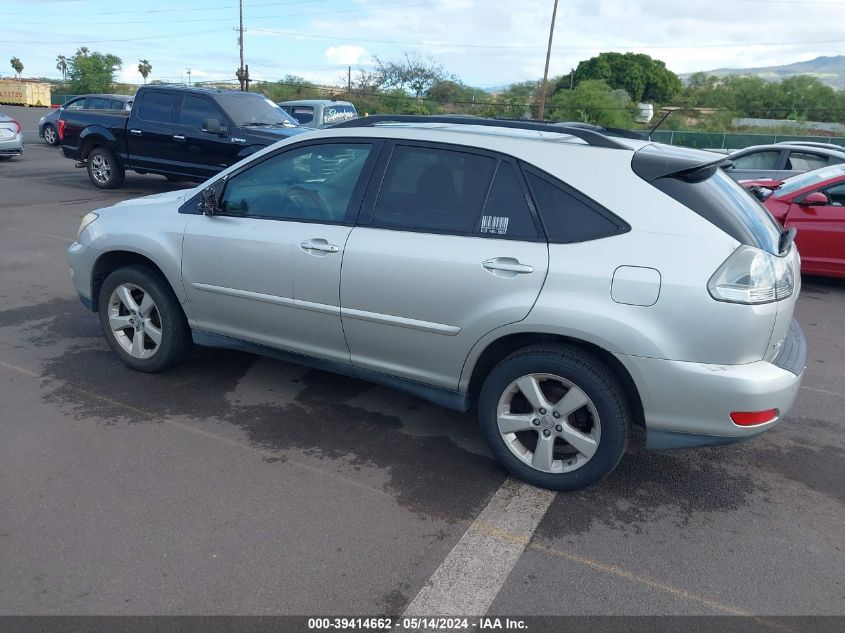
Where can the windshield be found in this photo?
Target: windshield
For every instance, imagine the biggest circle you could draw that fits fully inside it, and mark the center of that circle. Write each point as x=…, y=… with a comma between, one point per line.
x=246, y=108
x=810, y=178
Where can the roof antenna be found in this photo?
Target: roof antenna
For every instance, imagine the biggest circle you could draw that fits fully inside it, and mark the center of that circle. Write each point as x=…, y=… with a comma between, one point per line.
x=667, y=110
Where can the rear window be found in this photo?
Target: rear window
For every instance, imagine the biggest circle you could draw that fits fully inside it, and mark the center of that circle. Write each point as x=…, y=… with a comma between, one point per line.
x=721, y=201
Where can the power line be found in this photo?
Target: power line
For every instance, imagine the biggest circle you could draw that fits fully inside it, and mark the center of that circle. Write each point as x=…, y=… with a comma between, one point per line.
x=369, y=9
x=228, y=7
x=540, y=46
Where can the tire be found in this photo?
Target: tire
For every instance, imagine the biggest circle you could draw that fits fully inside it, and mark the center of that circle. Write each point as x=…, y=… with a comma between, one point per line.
x=567, y=377
x=51, y=137
x=158, y=311
x=103, y=169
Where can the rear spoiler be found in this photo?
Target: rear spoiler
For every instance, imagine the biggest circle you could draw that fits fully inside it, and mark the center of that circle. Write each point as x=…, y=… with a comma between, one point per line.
x=661, y=161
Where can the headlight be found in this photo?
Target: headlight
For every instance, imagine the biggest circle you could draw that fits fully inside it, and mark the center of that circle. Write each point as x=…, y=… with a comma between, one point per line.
x=89, y=217
x=752, y=276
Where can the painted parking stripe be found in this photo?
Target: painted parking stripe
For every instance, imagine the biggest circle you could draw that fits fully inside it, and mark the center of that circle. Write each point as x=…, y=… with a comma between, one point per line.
x=468, y=579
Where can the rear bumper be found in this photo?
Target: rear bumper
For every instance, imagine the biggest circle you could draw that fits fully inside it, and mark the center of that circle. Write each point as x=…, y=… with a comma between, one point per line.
x=690, y=404
x=11, y=146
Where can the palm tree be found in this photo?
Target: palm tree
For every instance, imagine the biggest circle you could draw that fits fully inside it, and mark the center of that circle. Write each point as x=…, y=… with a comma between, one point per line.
x=61, y=66
x=144, y=68
x=17, y=66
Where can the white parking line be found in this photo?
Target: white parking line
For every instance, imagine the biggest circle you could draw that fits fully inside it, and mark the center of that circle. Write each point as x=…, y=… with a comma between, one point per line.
x=468, y=579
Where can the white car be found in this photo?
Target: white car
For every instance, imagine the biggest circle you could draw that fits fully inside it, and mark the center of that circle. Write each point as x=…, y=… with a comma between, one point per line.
x=565, y=283
x=11, y=137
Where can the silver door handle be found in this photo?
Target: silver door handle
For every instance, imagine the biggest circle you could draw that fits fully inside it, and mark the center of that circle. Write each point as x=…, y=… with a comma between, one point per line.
x=135, y=132
x=319, y=244
x=507, y=264
x=178, y=137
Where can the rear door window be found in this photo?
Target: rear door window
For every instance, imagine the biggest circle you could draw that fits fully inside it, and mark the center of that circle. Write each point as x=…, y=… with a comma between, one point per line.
x=803, y=161
x=98, y=103
x=506, y=211
x=158, y=107
x=434, y=190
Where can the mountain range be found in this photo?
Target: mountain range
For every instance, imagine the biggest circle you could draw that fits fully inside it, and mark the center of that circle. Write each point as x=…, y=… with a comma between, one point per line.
x=829, y=70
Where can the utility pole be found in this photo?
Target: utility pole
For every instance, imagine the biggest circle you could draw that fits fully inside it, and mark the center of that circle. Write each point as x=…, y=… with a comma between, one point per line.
x=241, y=42
x=542, y=109
x=348, y=81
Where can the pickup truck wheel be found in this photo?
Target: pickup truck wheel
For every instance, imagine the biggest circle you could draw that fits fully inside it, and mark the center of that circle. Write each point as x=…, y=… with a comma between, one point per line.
x=556, y=417
x=142, y=319
x=51, y=137
x=103, y=169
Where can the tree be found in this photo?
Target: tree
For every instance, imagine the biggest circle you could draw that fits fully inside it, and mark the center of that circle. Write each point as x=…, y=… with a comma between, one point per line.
x=92, y=72
x=61, y=66
x=641, y=76
x=413, y=73
x=144, y=67
x=17, y=66
x=592, y=101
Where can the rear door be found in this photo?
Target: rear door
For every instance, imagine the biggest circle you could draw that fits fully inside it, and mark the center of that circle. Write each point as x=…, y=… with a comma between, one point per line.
x=448, y=249
x=821, y=232
x=150, y=131
x=266, y=269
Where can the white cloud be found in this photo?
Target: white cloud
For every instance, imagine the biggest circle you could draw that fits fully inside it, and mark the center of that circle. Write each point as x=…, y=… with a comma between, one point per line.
x=345, y=54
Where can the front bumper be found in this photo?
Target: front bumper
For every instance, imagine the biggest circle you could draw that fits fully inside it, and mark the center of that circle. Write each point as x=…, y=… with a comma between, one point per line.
x=81, y=260
x=690, y=404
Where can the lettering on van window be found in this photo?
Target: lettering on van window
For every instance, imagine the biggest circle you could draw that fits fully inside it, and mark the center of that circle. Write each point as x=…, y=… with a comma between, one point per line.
x=494, y=224
x=332, y=115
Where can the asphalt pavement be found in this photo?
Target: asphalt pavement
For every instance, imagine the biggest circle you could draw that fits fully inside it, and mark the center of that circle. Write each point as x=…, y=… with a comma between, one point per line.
x=236, y=484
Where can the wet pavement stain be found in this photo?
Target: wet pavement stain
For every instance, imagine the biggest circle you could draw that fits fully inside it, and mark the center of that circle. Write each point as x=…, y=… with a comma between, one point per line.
x=431, y=476
x=826, y=475
x=651, y=487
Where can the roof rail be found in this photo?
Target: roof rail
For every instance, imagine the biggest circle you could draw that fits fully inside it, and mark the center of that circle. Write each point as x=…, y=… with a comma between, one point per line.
x=592, y=137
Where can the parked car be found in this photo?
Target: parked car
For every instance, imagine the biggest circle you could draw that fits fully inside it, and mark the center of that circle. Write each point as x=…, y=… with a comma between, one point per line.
x=815, y=144
x=814, y=204
x=781, y=161
x=11, y=139
x=178, y=132
x=317, y=113
x=482, y=263
x=48, y=125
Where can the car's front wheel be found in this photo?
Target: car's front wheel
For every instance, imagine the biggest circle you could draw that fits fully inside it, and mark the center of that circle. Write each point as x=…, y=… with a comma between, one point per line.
x=51, y=137
x=556, y=417
x=142, y=319
x=103, y=169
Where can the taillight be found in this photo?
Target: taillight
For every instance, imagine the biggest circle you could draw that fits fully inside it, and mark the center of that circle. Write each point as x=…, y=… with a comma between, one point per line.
x=753, y=418
x=62, y=124
x=752, y=276
x=17, y=125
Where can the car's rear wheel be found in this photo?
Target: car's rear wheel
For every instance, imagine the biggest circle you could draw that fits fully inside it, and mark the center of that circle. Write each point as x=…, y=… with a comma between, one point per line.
x=142, y=319
x=103, y=169
x=555, y=417
x=51, y=137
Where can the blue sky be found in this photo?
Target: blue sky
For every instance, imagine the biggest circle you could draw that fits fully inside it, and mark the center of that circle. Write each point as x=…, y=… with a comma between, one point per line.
x=485, y=43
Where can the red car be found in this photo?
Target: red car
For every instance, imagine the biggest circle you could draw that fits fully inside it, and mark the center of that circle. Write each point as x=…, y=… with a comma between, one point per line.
x=813, y=203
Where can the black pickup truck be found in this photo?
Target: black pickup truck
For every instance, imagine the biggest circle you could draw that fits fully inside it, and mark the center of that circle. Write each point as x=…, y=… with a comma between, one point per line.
x=177, y=132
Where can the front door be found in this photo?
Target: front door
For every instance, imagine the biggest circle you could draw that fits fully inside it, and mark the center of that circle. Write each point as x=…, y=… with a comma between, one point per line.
x=821, y=233
x=202, y=154
x=266, y=268
x=448, y=251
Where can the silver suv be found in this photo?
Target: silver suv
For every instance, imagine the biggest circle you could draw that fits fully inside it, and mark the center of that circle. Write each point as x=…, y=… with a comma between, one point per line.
x=567, y=283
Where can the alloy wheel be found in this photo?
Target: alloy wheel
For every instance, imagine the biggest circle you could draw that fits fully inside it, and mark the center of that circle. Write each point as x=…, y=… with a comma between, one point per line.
x=100, y=169
x=134, y=320
x=548, y=423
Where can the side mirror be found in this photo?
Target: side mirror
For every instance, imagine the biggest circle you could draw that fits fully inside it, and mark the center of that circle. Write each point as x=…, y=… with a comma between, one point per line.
x=816, y=198
x=212, y=126
x=208, y=204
